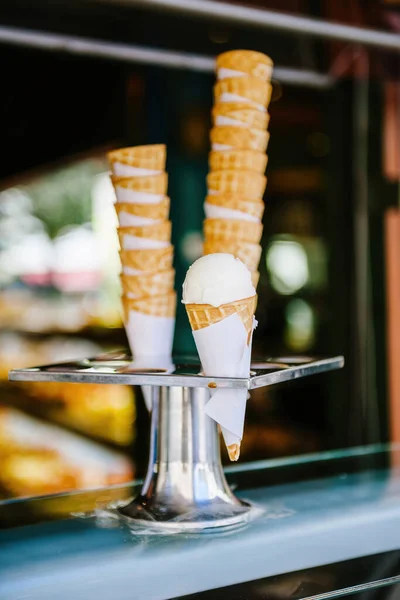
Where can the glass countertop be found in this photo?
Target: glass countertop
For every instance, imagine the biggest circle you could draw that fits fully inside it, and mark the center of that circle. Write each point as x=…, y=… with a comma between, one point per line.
x=327, y=525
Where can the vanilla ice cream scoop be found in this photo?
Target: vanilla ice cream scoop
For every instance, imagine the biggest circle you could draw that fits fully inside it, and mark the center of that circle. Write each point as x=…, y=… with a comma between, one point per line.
x=217, y=279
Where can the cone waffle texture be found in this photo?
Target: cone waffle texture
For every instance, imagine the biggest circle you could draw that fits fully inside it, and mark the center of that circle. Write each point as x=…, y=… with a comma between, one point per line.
x=255, y=278
x=244, y=183
x=233, y=452
x=142, y=157
x=246, y=61
x=255, y=209
x=157, y=306
x=204, y=315
x=240, y=138
x=157, y=212
x=148, y=260
x=158, y=231
x=149, y=284
x=242, y=160
x=250, y=117
x=222, y=229
x=248, y=253
x=150, y=184
x=252, y=89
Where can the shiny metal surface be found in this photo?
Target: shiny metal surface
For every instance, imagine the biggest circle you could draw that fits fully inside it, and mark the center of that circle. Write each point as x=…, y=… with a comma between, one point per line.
x=116, y=368
x=185, y=486
x=80, y=46
x=261, y=18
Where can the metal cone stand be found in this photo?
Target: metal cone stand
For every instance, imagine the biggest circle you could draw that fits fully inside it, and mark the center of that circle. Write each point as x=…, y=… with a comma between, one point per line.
x=185, y=488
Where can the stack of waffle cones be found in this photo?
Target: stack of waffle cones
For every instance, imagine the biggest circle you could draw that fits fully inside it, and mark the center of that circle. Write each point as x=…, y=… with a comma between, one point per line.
x=239, y=138
x=147, y=276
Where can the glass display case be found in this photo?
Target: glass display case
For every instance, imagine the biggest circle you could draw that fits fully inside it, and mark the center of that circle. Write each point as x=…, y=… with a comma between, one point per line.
x=328, y=526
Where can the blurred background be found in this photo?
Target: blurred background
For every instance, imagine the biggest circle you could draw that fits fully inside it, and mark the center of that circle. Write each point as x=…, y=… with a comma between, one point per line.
x=82, y=77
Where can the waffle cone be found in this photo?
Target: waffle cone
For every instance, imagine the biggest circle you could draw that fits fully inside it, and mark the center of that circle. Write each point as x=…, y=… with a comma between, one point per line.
x=222, y=229
x=157, y=306
x=204, y=315
x=233, y=452
x=149, y=284
x=150, y=184
x=255, y=278
x=249, y=254
x=157, y=212
x=246, y=61
x=148, y=260
x=255, y=209
x=158, y=231
x=252, y=89
x=238, y=160
x=244, y=183
x=240, y=138
x=249, y=117
x=142, y=157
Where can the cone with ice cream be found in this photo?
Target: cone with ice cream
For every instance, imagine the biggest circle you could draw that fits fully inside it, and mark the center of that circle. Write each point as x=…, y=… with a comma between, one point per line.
x=220, y=301
x=138, y=160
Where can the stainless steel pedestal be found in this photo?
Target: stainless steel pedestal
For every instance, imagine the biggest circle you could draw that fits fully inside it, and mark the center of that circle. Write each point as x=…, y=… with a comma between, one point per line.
x=185, y=486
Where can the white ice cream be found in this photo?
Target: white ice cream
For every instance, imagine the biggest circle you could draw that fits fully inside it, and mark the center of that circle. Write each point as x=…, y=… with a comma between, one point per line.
x=217, y=279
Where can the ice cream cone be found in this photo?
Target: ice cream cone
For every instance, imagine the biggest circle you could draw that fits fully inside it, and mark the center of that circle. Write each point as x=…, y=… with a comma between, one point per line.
x=156, y=306
x=243, y=183
x=238, y=138
x=138, y=160
x=237, y=203
x=239, y=115
x=147, y=260
x=151, y=184
x=145, y=237
x=250, y=90
x=248, y=253
x=245, y=62
x=130, y=214
x=204, y=315
x=148, y=284
x=224, y=229
x=255, y=278
x=238, y=160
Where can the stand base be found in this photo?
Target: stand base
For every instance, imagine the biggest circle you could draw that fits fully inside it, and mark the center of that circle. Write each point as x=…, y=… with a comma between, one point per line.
x=164, y=520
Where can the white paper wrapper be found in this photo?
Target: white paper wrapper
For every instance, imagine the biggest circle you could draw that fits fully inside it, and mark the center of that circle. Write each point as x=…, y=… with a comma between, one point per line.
x=228, y=97
x=149, y=335
x=132, y=197
x=224, y=352
x=132, y=242
x=150, y=340
x=152, y=362
x=222, y=120
x=224, y=73
x=221, y=147
x=221, y=212
x=129, y=220
x=122, y=170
